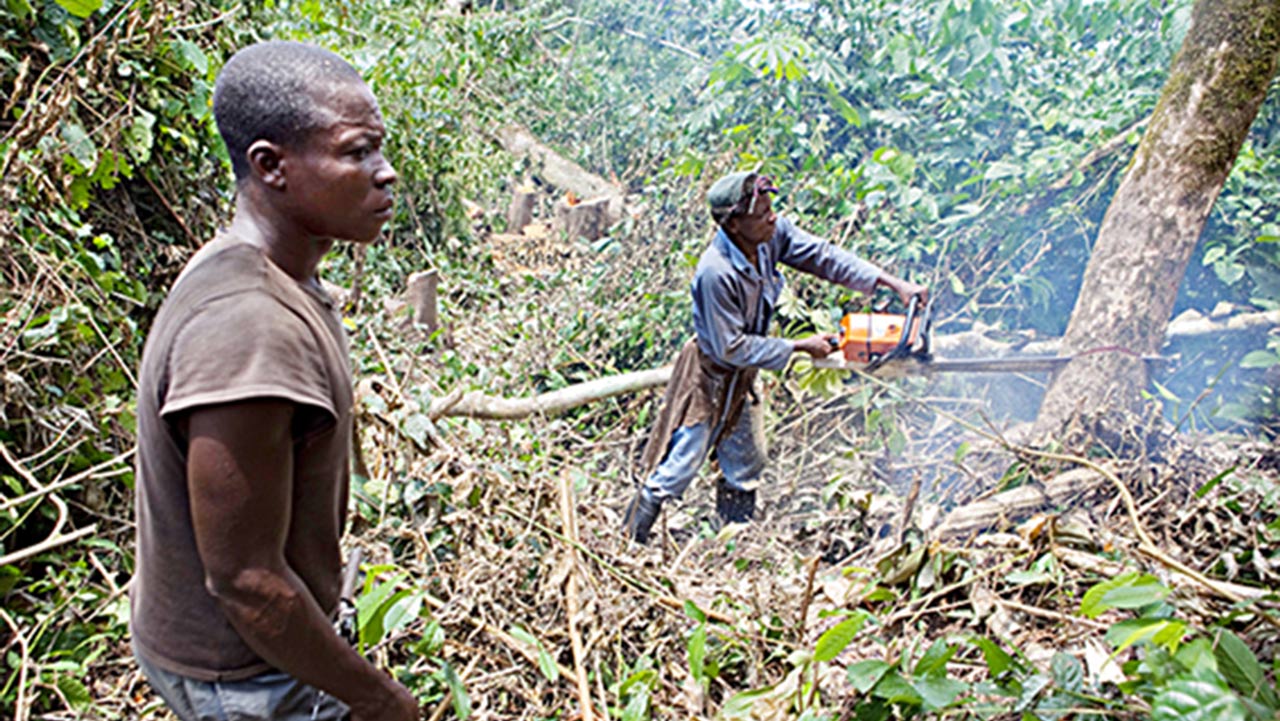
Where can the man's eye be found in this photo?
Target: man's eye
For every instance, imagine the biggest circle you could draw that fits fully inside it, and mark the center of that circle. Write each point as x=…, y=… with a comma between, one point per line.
x=361, y=152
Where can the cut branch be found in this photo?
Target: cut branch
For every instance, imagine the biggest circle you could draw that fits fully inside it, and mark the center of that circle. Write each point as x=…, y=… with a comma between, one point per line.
x=478, y=405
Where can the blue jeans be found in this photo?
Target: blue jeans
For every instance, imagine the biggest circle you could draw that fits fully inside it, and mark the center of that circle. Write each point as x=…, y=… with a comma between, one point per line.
x=741, y=460
x=270, y=696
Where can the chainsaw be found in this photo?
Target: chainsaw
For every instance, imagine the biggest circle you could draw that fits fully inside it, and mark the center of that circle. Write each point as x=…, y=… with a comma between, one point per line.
x=901, y=344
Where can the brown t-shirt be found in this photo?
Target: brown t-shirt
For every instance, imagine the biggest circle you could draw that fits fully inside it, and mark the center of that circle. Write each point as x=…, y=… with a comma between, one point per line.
x=235, y=327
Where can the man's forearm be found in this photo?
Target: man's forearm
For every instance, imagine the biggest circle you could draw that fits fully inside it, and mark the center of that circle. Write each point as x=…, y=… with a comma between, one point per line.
x=278, y=618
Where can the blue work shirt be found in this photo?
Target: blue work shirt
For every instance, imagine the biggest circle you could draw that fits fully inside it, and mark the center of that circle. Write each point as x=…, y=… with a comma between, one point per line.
x=734, y=302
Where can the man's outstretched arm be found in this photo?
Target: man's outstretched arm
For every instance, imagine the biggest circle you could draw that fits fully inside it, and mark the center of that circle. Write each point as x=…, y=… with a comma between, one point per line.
x=240, y=471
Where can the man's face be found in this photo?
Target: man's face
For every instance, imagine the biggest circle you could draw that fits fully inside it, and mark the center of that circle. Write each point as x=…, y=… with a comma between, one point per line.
x=754, y=228
x=338, y=182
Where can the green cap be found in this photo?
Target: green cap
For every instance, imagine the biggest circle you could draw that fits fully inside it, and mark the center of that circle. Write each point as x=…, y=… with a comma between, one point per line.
x=735, y=192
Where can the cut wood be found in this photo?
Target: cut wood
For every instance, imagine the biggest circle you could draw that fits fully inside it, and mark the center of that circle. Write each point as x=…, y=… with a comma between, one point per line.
x=421, y=296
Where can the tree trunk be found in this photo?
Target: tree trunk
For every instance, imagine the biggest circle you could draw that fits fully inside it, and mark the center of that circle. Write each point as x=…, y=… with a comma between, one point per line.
x=1216, y=85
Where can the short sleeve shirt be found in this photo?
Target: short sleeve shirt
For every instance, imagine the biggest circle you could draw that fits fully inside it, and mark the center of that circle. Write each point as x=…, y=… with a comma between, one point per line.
x=235, y=327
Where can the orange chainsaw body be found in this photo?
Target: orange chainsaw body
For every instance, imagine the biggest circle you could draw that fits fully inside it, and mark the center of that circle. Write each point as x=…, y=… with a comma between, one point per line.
x=865, y=337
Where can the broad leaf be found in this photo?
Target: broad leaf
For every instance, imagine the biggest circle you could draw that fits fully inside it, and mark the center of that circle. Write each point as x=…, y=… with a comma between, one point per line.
x=837, y=638
x=1242, y=670
x=80, y=8
x=864, y=675
x=938, y=692
x=1068, y=673
x=1192, y=700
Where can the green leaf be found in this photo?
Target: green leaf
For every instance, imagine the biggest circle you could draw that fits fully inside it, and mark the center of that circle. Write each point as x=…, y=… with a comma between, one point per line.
x=998, y=660
x=999, y=169
x=80, y=8
x=191, y=56
x=1195, y=700
x=80, y=144
x=547, y=665
x=692, y=610
x=402, y=611
x=697, y=647
x=893, y=688
x=1130, y=590
x=637, y=706
x=864, y=675
x=938, y=692
x=1242, y=670
x=835, y=639
x=1068, y=673
x=1210, y=484
x=75, y=691
x=739, y=707
x=457, y=692
x=138, y=138
x=1159, y=631
x=1259, y=359
x=21, y=8
x=371, y=606
x=934, y=661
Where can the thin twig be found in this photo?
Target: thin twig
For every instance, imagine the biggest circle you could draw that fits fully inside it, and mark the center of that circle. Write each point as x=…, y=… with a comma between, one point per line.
x=20, y=710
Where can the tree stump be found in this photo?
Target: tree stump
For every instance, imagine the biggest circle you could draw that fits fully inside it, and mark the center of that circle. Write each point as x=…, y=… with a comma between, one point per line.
x=588, y=219
x=520, y=211
x=421, y=297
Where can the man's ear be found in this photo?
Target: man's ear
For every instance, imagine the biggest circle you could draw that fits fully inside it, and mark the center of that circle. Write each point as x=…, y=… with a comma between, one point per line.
x=266, y=164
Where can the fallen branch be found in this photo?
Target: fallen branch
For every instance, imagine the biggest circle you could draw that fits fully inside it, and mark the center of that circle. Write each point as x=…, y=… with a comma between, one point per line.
x=478, y=405
x=570, y=521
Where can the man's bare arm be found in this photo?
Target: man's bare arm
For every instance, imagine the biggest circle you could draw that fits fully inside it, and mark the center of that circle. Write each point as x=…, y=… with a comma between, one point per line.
x=240, y=471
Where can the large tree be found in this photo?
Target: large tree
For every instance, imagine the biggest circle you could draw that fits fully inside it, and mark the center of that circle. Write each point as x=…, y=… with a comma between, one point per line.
x=1216, y=84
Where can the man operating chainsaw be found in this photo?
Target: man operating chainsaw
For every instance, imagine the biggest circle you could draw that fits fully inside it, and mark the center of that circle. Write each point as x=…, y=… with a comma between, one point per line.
x=735, y=291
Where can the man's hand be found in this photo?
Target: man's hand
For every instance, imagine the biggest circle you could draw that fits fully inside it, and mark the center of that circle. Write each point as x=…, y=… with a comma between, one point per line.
x=905, y=289
x=818, y=346
x=397, y=704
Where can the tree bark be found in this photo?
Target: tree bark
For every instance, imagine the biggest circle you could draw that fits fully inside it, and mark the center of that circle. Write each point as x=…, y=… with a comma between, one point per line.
x=1217, y=82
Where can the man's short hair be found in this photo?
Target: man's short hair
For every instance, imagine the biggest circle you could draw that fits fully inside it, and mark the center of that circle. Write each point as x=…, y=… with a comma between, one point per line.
x=268, y=91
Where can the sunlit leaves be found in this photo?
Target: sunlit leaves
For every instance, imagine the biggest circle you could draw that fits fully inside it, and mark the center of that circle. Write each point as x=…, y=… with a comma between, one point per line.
x=81, y=8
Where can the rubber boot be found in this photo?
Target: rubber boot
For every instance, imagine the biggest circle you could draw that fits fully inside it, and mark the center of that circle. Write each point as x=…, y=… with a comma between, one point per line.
x=734, y=506
x=641, y=514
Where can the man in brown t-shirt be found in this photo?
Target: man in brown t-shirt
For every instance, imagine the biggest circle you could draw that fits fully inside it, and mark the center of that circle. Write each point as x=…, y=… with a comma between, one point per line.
x=244, y=414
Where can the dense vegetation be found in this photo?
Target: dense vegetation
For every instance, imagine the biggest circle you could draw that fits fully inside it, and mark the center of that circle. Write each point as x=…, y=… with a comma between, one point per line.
x=970, y=144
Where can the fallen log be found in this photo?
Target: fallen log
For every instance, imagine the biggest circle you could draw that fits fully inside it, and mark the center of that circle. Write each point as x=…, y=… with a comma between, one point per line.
x=479, y=405
x=1008, y=508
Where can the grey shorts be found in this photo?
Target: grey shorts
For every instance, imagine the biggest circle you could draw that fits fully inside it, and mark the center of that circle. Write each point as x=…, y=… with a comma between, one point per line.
x=271, y=696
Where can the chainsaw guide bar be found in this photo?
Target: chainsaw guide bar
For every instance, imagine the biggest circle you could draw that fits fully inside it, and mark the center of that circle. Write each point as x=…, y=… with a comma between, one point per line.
x=889, y=345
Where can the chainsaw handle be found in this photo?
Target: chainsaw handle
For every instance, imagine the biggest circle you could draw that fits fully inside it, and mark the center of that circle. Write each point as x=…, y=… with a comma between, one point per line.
x=903, y=349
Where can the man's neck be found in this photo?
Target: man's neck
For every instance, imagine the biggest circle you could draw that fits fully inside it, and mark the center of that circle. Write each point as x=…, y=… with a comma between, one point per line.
x=749, y=250
x=287, y=245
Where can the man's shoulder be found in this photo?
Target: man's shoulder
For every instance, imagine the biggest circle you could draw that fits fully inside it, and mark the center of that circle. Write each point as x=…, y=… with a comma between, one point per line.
x=714, y=263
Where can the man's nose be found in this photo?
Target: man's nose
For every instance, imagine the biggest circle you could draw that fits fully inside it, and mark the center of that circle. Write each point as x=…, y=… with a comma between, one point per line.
x=385, y=175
